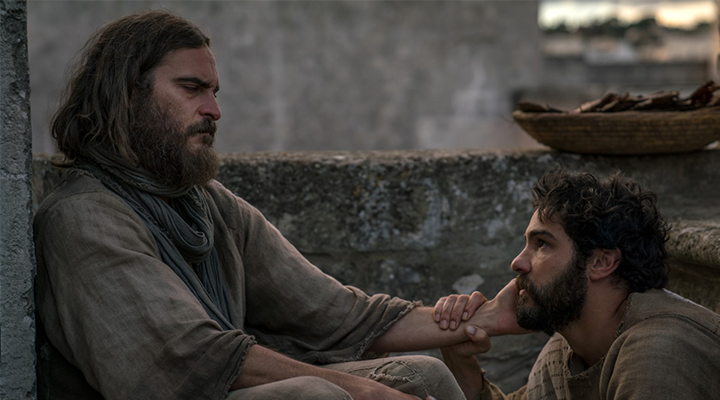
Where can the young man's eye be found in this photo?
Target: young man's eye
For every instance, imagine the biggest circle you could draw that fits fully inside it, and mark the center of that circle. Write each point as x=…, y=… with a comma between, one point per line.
x=542, y=243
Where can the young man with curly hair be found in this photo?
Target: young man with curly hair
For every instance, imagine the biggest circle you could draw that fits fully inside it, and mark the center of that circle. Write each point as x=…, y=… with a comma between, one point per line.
x=592, y=275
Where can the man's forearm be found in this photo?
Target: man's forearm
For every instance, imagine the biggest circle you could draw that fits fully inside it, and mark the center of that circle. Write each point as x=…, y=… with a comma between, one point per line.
x=416, y=331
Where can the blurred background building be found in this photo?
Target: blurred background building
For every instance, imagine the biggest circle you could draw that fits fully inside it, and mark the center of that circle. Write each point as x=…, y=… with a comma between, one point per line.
x=377, y=75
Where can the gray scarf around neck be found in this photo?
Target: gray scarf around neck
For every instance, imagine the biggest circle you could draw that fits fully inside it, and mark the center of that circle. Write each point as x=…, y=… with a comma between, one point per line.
x=182, y=228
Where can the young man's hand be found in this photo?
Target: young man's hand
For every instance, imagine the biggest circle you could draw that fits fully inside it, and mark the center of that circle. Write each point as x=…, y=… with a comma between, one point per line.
x=450, y=310
x=478, y=343
x=498, y=314
x=460, y=360
x=496, y=317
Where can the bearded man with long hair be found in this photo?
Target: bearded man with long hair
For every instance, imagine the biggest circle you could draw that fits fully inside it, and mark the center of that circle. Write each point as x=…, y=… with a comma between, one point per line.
x=156, y=282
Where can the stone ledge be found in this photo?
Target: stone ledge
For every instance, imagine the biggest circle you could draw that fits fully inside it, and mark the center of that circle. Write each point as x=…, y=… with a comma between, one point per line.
x=694, y=247
x=696, y=241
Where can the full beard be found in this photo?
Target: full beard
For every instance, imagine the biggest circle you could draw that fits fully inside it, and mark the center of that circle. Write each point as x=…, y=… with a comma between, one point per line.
x=554, y=306
x=163, y=148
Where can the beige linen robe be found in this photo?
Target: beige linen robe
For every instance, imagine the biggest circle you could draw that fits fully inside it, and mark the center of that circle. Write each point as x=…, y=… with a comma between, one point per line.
x=667, y=348
x=116, y=323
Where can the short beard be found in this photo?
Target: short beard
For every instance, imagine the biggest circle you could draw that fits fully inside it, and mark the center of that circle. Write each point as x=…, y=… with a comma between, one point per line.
x=163, y=149
x=556, y=304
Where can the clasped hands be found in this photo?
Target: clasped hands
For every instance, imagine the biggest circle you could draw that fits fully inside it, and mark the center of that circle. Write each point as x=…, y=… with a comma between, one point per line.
x=479, y=318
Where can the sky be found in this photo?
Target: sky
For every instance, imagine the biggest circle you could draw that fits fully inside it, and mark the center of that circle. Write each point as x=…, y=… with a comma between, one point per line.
x=676, y=14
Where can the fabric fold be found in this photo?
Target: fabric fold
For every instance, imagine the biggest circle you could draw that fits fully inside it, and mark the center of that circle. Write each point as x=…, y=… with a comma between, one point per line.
x=182, y=228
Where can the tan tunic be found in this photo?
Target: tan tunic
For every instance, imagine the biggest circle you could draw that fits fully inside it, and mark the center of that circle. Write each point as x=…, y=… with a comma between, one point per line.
x=121, y=323
x=667, y=348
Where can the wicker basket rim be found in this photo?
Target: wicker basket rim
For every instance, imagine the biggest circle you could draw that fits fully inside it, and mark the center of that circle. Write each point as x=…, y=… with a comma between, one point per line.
x=713, y=111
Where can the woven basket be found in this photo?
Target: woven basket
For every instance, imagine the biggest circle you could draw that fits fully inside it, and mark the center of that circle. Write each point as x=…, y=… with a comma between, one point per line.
x=624, y=133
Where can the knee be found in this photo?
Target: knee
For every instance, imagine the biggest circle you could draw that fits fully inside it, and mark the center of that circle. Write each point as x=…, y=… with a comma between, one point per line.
x=314, y=388
x=429, y=367
x=434, y=377
x=300, y=388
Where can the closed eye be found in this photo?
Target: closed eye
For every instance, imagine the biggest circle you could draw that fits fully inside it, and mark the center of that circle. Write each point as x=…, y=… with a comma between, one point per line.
x=195, y=85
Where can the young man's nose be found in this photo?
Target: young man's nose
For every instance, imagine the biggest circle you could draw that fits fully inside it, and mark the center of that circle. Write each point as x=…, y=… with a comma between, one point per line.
x=521, y=263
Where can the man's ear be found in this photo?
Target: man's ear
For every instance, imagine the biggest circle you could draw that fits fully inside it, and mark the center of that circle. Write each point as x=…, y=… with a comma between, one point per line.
x=603, y=263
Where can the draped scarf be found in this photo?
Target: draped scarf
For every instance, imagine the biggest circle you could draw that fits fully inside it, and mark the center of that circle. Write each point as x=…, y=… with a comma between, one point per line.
x=182, y=228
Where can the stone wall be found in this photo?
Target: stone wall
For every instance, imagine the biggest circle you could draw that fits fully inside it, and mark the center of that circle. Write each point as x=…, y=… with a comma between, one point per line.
x=330, y=75
x=421, y=224
x=17, y=261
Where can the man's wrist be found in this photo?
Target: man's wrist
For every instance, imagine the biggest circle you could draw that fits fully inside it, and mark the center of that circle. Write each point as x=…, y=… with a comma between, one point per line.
x=486, y=318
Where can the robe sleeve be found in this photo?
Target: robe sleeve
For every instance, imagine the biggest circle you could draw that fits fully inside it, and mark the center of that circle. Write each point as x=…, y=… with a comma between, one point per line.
x=114, y=310
x=295, y=308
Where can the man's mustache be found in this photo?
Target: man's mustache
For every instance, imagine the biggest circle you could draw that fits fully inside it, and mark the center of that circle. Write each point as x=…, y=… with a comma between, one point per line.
x=522, y=282
x=204, y=126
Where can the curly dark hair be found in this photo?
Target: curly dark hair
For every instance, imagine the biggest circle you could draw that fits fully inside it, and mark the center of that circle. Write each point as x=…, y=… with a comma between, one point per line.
x=115, y=68
x=615, y=213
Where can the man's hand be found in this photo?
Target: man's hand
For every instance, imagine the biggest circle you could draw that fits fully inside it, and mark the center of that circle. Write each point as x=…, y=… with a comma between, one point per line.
x=450, y=310
x=478, y=343
x=496, y=317
x=461, y=360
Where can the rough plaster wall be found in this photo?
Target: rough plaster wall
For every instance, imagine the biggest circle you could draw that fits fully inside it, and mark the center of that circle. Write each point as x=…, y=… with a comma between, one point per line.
x=422, y=224
x=17, y=265
x=331, y=75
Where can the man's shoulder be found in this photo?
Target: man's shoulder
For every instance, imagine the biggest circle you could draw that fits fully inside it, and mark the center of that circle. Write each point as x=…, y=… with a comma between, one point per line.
x=667, y=347
x=83, y=209
x=665, y=327
x=226, y=202
x=78, y=191
x=664, y=308
x=220, y=194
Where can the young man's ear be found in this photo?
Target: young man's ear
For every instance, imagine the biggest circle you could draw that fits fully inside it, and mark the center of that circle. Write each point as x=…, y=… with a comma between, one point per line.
x=603, y=263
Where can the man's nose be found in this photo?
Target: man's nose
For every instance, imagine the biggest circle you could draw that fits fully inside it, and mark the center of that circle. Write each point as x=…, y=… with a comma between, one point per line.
x=211, y=109
x=521, y=263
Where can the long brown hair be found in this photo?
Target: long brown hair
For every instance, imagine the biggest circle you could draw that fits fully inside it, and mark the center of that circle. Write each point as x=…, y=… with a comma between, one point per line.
x=116, y=63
